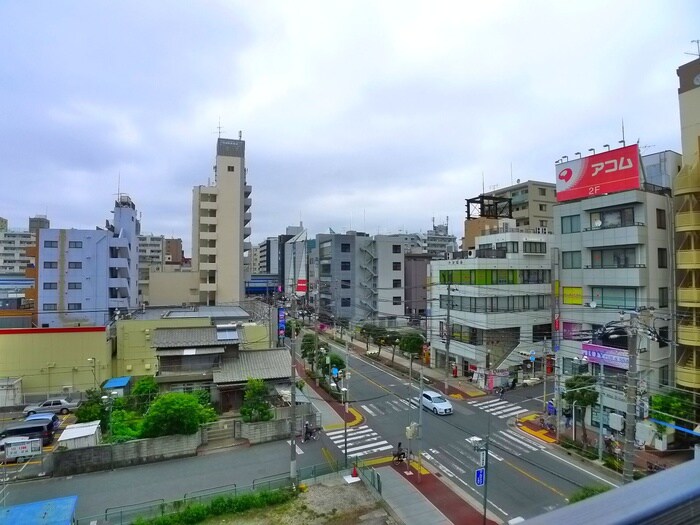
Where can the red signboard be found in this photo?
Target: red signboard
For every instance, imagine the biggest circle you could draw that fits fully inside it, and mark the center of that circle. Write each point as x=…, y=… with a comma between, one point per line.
x=301, y=286
x=607, y=172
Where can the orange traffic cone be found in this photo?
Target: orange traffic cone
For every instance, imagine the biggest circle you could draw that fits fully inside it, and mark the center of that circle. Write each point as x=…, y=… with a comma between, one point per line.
x=354, y=471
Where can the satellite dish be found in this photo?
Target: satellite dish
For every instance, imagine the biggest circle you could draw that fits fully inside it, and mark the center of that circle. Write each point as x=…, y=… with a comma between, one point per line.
x=592, y=304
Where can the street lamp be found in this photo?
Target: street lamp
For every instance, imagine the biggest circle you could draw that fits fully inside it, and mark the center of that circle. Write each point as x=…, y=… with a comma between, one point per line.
x=592, y=149
x=578, y=153
x=94, y=373
x=108, y=401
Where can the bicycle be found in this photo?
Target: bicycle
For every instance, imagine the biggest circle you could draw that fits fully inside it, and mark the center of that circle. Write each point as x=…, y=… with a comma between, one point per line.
x=312, y=434
x=401, y=457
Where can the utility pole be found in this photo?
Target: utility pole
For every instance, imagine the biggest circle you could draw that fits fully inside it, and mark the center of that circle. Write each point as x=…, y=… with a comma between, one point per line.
x=601, y=386
x=631, y=416
x=346, y=391
x=420, y=419
x=448, y=327
x=293, y=423
x=544, y=365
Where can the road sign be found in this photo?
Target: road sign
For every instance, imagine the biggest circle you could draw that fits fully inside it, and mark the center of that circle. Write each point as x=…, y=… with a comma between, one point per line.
x=480, y=477
x=482, y=458
x=23, y=449
x=532, y=358
x=532, y=352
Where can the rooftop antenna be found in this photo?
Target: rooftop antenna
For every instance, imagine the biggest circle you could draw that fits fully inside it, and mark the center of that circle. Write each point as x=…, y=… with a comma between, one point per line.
x=511, y=173
x=697, y=43
x=219, y=128
x=483, y=189
x=623, y=131
x=240, y=135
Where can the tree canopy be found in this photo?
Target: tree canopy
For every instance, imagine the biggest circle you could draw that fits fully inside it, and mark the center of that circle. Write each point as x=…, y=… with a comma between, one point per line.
x=175, y=413
x=671, y=407
x=255, y=406
x=581, y=389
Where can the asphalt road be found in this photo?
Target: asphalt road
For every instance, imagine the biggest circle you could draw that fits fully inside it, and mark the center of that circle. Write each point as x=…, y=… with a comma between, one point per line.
x=169, y=480
x=525, y=477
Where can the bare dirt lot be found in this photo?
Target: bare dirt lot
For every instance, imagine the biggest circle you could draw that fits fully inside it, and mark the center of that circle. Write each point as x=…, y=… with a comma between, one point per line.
x=330, y=503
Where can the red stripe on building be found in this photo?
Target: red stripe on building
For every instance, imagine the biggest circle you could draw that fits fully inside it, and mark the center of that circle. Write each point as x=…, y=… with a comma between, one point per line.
x=71, y=330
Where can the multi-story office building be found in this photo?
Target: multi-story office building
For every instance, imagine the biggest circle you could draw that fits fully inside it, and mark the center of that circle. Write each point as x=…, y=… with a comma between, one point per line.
x=687, y=224
x=173, y=251
x=86, y=276
x=37, y=223
x=360, y=278
x=532, y=202
x=416, y=279
x=493, y=305
x=439, y=243
x=615, y=256
x=3, y=224
x=151, y=249
x=220, y=227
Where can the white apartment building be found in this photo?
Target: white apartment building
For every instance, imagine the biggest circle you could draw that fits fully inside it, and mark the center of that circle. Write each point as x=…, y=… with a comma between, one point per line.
x=494, y=307
x=220, y=227
x=13, y=246
x=616, y=256
x=86, y=276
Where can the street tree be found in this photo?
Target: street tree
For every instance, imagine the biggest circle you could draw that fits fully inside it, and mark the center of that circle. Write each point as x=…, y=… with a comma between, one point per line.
x=367, y=332
x=93, y=408
x=175, y=413
x=411, y=343
x=309, y=349
x=379, y=338
x=581, y=390
x=673, y=408
x=336, y=361
x=256, y=406
x=393, y=338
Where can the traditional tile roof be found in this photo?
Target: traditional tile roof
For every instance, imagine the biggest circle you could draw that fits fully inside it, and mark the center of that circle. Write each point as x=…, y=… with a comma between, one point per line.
x=257, y=364
x=191, y=337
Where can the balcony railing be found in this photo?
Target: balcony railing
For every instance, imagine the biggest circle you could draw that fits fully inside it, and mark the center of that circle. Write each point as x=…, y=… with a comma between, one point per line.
x=603, y=227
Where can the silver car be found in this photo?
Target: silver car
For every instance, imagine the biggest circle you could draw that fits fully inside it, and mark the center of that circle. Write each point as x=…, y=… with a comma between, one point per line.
x=56, y=406
x=436, y=403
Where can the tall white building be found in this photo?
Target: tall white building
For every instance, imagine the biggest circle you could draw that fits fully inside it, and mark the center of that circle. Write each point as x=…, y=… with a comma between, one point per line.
x=498, y=302
x=13, y=246
x=86, y=276
x=220, y=227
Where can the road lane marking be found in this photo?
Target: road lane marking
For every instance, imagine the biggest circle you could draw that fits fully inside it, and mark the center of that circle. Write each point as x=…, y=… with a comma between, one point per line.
x=511, y=414
x=581, y=469
x=366, y=409
x=536, y=479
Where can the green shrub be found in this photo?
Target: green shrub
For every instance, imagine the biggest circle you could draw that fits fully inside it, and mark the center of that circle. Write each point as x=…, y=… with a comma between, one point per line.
x=587, y=492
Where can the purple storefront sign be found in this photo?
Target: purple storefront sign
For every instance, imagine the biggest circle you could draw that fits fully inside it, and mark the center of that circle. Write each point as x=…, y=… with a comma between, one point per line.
x=606, y=355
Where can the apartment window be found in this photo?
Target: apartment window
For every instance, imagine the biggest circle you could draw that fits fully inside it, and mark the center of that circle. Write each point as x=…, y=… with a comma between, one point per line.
x=534, y=247
x=543, y=207
x=663, y=336
x=345, y=284
x=396, y=300
x=660, y=219
x=345, y=247
x=614, y=258
x=230, y=168
x=543, y=223
x=396, y=248
x=509, y=247
x=396, y=283
x=543, y=192
x=345, y=301
x=663, y=375
x=570, y=260
x=663, y=297
x=75, y=244
x=612, y=218
x=75, y=306
x=396, y=266
x=50, y=264
x=50, y=244
x=75, y=265
x=345, y=265
x=571, y=224
x=663, y=257
x=50, y=286
x=614, y=296
x=50, y=307
x=75, y=286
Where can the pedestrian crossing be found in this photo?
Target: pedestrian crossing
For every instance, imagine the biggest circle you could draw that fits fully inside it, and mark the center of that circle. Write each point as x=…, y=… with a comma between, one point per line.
x=381, y=408
x=498, y=407
x=361, y=440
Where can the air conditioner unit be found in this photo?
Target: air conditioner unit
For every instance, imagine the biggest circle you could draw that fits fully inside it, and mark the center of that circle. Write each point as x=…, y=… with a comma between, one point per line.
x=471, y=254
x=541, y=229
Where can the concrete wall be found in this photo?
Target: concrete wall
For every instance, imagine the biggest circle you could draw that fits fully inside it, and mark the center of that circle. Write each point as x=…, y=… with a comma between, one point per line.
x=277, y=429
x=168, y=288
x=138, y=452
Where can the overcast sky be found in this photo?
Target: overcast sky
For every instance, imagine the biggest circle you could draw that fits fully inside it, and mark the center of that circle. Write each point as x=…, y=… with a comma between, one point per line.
x=374, y=116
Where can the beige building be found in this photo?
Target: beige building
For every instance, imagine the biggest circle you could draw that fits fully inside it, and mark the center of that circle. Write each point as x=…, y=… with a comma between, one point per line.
x=220, y=227
x=532, y=203
x=687, y=227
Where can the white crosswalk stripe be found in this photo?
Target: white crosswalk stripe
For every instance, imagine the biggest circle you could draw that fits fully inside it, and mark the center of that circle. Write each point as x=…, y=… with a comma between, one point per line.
x=498, y=407
x=361, y=441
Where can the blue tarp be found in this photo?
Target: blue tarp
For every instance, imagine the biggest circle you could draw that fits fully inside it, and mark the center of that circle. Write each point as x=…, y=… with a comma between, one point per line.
x=58, y=511
x=117, y=382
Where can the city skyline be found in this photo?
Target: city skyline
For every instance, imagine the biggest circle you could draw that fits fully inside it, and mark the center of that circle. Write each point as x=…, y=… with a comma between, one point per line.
x=402, y=113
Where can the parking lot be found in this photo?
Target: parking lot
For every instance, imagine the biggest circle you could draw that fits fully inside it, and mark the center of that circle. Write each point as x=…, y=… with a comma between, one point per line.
x=36, y=466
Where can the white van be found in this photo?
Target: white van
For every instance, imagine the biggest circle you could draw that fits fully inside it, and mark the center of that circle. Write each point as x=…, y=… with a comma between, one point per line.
x=436, y=403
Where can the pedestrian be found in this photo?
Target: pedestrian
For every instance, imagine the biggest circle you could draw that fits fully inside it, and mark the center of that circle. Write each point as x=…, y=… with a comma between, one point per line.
x=515, y=382
x=501, y=393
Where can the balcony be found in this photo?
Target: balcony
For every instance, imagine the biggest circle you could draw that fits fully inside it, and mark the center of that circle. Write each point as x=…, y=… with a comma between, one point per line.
x=207, y=266
x=688, y=259
x=687, y=221
x=614, y=236
x=207, y=236
x=206, y=250
x=247, y=217
x=689, y=335
x=119, y=283
x=688, y=376
x=630, y=275
x=207, y=220
x=118, y=262
x=247, y=190
x=119, y=302
x=247, y=246
x=246, y=232
x=689, y=297
x=207, y=205
x=207, y=287
x=247, y=203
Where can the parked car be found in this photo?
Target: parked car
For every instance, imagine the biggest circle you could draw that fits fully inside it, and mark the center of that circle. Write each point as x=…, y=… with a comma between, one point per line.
x=56, y=406
x=12, y=439
x=48, y=416
x=436, y=402
x=41, y=429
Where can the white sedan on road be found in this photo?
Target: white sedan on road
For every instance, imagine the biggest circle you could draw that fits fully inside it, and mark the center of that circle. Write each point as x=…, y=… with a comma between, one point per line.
x=436, y=402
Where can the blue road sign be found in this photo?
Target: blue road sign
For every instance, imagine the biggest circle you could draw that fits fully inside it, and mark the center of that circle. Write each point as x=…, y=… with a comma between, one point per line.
x=532, y=358
x=334, y=371
x=480, y=476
